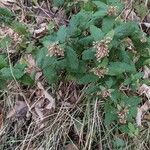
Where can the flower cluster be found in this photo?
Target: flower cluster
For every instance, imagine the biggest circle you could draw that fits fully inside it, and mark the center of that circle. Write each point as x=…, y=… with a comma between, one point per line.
x=112, y=11
x=100, y=72
x=122, y=114
x=55, y=50
x=105, y=93
x=102, y=49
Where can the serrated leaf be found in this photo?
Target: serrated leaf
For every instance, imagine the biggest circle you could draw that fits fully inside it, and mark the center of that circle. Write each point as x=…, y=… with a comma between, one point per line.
x=132, y=113
x=132, y=101
x=82, y=67
x=7, y=74
x=119, y=143
x=110, y=113
x=126, y=29
x=96, y=33
x=50, y=74
x=109, y=118
x=141, y=9
x=72, y=59
x=117, y=68
x=131, y=127
x=100, y=13
x=100, y=4
x=61, y=34
x=26, y=80
x=88, y=54
x=5, y=42
x=146, y=62
x=92, y=89
x=124, y=56
x=86, y=41
x=41, y=54
x=88, y=78
x=3, y=62
x=48, y=40
x=89, y=6
x=58, y=3
x=6, y=12
x=19, y=28
x=107, y=24
x=117, y=3
x=110, y=34
x=104, y=63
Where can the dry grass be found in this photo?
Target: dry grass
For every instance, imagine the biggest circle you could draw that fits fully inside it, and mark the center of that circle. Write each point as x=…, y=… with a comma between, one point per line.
x=76, y=126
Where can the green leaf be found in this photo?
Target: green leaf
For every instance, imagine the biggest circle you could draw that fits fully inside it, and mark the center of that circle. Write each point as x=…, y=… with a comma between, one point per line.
x=72, y=59
x=58, y=3
x=132, y=113
x=110, y=34
x=82, y=67
x=132, y=101
x=61, y=64
x=6, y=12
x=92, y=89
x=7, y=74
x=126, y=29
x=89, y=6
x=141, y=9
x=88, y=54
x=61, y=34
x=88, y=78
x=41, y=54
x=110, y=113
x=100, y=4
x=117, y=68
x=100, y=13
x=107, y=24
x=124, y=56
x=26, y=80
x=49, y=62
x=50, y=74
x=119, y=143
x=48, y=40
x=3, y=62
x=117, y=3
x=86, y=41
x=5, y=42
x=146, y=62
x=96, y=33
x=103, y=63
x=109, y=118
x=19, y=28
x=131, y=127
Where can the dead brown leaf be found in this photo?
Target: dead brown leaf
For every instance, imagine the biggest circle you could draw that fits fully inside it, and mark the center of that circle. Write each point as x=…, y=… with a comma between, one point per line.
x=19, y=110
x=71, y=147
x=147, y=117
x=32, y=66
x=130, y=15
x=39, y=110
x=146, y=72
x=41, y=30
x=47, y=96
x=145, y=89
x=140, y=112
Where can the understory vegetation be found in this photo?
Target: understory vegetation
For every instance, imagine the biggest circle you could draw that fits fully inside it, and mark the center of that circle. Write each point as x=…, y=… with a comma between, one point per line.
x=74, y=75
